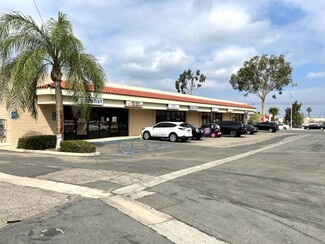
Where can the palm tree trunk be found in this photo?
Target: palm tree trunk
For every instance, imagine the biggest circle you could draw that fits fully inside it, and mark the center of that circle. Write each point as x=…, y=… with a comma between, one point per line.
x=59, y=113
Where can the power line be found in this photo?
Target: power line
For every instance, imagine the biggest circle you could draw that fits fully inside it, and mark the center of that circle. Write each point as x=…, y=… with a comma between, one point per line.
x=287, y=103
x=39, y=13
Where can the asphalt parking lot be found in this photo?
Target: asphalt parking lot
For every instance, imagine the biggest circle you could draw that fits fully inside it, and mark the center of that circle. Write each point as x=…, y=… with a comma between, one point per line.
x=258, y=188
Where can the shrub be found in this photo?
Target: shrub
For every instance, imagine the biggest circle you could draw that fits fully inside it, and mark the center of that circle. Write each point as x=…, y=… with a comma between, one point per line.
x=77, y=146
x=40, y=142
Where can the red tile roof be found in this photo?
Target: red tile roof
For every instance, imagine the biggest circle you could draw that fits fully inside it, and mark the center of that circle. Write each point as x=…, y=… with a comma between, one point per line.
x=156, y=95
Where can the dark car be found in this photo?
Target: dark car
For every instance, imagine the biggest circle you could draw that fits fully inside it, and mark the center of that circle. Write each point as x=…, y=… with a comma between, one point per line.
x=313, y=126
x=196, y=132
x=269, y=126
x=251, y=129
x=232, y=128
x=211, y=129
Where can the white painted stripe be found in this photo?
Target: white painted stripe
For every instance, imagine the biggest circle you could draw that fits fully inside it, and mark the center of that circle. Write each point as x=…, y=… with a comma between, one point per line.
x=131, y=189
x=54, y=186
x=181, y=233
x=163, y=224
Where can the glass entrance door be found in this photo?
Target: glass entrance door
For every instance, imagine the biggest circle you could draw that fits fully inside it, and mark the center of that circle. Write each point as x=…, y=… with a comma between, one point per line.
x=102, y=122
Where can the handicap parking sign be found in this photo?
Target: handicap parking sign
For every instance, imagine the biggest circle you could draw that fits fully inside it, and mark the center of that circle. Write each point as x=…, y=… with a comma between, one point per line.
x=13, y=115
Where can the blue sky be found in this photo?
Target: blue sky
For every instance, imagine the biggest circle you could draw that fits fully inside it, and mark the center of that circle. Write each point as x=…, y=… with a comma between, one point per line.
x=148, y=43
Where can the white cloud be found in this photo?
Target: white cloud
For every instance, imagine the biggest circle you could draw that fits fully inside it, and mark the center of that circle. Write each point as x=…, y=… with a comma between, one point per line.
x=153, y=62
x=149, y=43
x=225, y=62
x=313, y=75
x=102, y=59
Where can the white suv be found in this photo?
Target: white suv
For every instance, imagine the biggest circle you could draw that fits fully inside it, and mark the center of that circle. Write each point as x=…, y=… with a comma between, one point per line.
x=283, y=126
x=171, y=130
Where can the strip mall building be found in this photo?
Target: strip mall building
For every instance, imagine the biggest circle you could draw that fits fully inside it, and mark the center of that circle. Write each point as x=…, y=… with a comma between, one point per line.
x=119, y=111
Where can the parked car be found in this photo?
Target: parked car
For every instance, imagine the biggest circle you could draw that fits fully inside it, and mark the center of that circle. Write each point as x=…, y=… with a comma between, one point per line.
x=283, y=126
x=211, y=129
x=312, y=126
x=197, y=133
x=251, y=129
x=172, y=130
x=269, y=126
x=232, y=128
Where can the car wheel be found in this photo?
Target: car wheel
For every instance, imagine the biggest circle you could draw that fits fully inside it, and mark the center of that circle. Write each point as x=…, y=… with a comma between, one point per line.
x=270, y=130
x=284, y=128
x=233, y=133
x=248, y=133
x=146, y=135
x=173, y=137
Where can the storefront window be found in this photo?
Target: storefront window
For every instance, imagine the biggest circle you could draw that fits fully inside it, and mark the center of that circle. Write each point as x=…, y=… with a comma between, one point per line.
x=238, y=117
x=211, y=117
x=102, y=122
x=162, y=115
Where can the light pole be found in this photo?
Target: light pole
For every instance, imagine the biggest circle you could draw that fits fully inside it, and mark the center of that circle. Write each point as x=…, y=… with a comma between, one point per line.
x=291, y=111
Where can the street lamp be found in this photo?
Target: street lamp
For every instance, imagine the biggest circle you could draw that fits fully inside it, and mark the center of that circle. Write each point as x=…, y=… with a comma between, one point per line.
x=291, y=111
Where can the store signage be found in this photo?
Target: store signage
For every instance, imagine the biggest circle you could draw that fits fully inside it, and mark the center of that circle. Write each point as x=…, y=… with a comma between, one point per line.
x=96, y=101
x=93, y=101
x=134, y=104
x=214, y=109
x=173, y=106
x=192, y=107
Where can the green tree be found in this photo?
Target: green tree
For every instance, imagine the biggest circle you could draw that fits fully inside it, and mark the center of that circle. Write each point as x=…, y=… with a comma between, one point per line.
x=297, y=117
x=187, y=81
x=309, y=111
x=274, y=111
x=29, y=52
x=254, y=118
x=262, y=75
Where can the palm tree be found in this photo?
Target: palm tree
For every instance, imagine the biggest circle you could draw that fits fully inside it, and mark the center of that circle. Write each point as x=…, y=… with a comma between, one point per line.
x=29, y=52
x=309, y=111
x=274, y=111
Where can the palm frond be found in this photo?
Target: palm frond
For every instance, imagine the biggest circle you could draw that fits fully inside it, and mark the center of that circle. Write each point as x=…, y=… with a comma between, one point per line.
x=18, y=33
x=27, y=49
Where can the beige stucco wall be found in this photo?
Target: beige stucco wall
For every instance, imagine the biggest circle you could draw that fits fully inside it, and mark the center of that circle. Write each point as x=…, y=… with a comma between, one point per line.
x=227, y=116
x=3, y=111
x=193, y=117
x=25, y=125
x=139, y=118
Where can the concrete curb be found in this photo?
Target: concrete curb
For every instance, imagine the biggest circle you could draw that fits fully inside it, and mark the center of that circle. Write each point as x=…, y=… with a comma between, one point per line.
x=13, y=148
x=51, y=152
x=58, y=153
